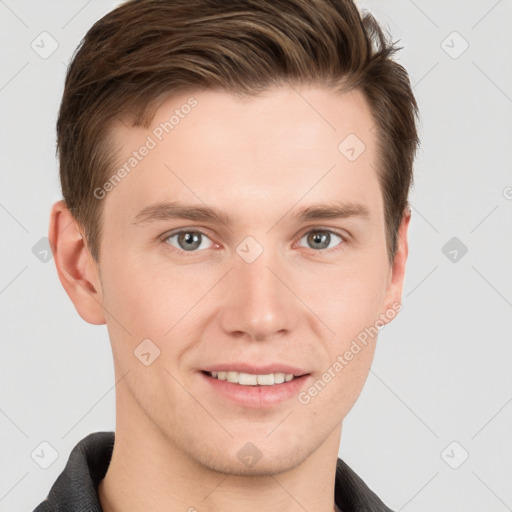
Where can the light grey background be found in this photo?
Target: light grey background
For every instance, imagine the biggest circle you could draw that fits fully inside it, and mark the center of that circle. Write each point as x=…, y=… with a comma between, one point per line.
x=442, y=371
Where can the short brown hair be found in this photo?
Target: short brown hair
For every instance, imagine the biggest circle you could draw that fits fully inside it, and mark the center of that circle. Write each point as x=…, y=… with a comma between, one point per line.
x=145, y=50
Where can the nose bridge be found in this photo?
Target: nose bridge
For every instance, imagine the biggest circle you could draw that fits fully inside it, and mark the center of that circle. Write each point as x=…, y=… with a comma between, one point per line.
x=257, y=303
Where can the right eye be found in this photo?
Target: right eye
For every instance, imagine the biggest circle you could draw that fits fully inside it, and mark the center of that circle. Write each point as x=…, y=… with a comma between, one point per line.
x=188, y=240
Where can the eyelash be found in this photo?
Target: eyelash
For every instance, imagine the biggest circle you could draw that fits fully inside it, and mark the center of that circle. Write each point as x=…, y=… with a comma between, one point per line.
x=338, y=247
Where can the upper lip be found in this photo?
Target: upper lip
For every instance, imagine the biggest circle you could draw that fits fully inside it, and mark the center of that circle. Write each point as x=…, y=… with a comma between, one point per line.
x=256, y=370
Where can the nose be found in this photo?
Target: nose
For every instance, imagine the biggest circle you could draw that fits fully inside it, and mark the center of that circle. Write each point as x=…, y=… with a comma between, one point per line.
x=257, y=302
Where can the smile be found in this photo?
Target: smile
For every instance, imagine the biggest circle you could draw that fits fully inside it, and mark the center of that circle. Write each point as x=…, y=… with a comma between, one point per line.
x=250, y=379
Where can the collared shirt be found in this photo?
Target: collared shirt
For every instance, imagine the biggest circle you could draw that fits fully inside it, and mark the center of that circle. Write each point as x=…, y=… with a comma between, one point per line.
x=76, y=488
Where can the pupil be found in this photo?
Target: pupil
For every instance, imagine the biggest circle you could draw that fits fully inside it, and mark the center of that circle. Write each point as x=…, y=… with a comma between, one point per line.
x=320, y=238
x=192, y=241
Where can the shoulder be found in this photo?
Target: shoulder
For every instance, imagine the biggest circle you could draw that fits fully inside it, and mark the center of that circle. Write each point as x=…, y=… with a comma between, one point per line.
x=76, y=488
x=352, y=494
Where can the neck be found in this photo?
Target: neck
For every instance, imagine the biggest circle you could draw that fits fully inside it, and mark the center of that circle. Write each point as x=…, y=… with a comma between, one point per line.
x=148, y=472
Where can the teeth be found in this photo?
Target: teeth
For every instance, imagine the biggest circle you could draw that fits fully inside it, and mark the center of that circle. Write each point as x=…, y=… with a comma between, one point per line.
x=249, y=379
x=278, y=378
x=232, y=377
x=265, y=380
x=246, y=379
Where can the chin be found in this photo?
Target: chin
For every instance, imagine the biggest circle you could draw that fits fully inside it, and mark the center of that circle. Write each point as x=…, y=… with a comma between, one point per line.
x=249, y=460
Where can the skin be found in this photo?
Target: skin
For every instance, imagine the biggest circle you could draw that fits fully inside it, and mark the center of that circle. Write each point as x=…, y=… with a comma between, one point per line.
x=258, y=160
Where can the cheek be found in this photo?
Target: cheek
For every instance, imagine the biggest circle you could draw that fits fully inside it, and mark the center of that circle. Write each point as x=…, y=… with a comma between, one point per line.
x=350, y=304
x=152, y=300
x=346, y=298
x=341, y=382
x=350, y=308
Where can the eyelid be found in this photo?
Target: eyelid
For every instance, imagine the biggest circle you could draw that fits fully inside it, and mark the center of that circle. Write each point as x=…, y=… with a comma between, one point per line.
x=344, y=238
x=177, y=231
x=343, y=235
x=167, y=234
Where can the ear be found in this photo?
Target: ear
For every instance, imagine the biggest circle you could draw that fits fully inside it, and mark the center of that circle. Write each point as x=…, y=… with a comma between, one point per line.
x=78, y=272
x=397, y=269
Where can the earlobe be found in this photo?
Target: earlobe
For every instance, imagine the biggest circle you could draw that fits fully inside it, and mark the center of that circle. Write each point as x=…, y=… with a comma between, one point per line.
x=77, y=271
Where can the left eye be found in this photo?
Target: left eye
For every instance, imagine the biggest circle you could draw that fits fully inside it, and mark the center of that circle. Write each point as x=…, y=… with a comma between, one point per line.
x=321, y=239
x=189, y=240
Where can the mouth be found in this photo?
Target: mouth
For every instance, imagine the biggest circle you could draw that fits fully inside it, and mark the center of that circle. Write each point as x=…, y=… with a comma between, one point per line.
x=251, y=379
x=254, y=390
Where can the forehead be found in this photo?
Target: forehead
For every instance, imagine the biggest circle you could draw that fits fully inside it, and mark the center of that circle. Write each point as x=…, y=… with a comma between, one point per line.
x=286, y=143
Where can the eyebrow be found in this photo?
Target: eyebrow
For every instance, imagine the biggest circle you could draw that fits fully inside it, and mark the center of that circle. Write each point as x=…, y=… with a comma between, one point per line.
x=175, y=210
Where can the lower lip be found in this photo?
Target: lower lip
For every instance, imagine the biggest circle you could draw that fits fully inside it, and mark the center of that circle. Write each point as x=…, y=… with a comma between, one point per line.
x=257, y=397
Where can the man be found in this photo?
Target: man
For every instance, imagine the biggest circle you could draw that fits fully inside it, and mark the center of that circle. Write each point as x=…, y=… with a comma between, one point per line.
x=235, y=178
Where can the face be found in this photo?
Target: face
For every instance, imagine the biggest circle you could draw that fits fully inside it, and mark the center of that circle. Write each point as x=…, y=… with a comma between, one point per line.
x=245, y=242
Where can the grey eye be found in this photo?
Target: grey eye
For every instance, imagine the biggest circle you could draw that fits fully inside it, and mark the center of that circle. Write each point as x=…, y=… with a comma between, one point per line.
x=189, y=240
x=320, y=239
